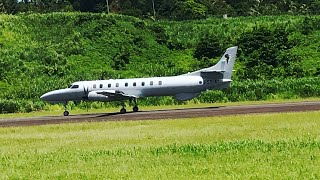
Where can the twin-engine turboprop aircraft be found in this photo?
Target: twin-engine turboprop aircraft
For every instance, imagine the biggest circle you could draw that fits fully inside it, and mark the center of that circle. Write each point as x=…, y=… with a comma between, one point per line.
x=182, y=87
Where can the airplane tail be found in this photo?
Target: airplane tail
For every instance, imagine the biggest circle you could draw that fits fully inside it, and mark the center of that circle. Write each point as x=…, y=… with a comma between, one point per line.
x=223, y=69
x=226, y=63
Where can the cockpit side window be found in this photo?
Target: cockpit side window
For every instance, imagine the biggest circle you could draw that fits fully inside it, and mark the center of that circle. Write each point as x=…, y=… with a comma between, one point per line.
x=75, y=86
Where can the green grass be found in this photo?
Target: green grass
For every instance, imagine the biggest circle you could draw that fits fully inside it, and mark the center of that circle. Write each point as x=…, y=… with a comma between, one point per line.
x=283, y=145
x=56, y=110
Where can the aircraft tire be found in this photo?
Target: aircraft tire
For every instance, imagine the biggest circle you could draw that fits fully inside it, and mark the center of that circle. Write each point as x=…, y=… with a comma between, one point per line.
x=123, y=110
x=135, y=109
x=66, y=113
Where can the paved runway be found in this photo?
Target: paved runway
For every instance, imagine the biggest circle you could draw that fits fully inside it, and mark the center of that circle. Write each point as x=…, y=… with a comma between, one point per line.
x=164, y=114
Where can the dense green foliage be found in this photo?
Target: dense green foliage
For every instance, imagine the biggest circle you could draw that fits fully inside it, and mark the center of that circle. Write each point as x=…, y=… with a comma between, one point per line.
x=41, y=52
x=169, y=9
x=266, y=146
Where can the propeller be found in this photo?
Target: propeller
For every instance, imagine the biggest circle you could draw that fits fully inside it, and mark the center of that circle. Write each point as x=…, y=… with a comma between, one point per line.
x=86, y=96
x=86, y=93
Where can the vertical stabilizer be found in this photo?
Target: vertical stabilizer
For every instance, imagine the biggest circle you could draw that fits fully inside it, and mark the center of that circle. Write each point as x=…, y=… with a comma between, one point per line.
x=224, y=66
x=226, y=63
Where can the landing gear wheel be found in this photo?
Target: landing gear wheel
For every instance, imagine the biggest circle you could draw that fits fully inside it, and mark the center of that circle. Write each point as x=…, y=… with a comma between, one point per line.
x=66, y=113
x=123, y=110
x=135, y=109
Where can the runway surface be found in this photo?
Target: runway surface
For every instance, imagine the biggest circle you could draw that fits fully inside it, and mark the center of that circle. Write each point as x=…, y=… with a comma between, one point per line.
x=164, y=114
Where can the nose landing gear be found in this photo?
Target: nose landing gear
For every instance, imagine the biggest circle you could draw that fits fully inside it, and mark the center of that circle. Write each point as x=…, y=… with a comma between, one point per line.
x=135, y=107
x=66, y=112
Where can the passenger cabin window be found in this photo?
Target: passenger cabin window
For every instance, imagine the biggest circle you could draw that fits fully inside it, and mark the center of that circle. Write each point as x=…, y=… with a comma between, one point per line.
x=160, y=82
x=151, y=83
x=126, y=84
x=134, y=84
x=101, y=85
x=94, y=86
x=74, y=86
x=142, y=84
x=117, y=84
x=109, y=85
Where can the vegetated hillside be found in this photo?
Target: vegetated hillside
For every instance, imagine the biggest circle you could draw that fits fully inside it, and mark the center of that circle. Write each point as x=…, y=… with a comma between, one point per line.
x=41, y=52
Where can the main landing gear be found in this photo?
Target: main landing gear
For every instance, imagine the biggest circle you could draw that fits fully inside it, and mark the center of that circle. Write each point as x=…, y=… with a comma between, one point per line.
x=134, y=109
x=122, y=110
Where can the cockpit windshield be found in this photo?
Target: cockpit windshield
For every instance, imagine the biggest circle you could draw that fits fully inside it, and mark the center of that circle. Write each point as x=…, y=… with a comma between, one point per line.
x=70, y=86
x=74, y=86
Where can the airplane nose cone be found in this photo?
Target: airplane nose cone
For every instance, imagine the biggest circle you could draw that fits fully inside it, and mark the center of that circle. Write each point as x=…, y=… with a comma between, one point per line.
x=57, y=95
x=44, y=97
x=47, y=96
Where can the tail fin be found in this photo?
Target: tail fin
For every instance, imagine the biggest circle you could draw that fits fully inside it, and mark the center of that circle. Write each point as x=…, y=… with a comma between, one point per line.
x=224, y=66
x=226, y=63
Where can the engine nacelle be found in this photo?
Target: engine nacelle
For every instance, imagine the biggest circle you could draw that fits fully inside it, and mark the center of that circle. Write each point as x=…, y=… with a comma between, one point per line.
x=93, y=96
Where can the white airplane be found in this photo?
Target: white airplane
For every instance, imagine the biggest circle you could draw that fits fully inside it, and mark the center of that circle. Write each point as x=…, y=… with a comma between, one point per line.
x=182, y=87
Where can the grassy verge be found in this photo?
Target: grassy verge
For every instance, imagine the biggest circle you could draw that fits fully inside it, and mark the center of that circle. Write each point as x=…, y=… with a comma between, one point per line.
x=57, y=110
x=284, y=145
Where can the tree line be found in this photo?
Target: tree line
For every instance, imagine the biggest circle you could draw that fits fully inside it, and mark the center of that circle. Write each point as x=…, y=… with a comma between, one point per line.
x=166, y=9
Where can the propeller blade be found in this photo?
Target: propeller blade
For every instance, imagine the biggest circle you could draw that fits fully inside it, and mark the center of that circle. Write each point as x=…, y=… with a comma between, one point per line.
x=86, y=93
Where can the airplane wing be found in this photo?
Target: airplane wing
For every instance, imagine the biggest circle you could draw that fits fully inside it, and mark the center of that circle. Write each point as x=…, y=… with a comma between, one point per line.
x=115, y=94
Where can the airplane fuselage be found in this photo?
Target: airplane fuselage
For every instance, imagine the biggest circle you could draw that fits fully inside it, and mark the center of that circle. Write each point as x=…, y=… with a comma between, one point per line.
x=182, y=87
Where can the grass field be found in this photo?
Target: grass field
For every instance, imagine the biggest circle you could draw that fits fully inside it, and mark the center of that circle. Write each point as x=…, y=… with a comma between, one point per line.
x=277, y=146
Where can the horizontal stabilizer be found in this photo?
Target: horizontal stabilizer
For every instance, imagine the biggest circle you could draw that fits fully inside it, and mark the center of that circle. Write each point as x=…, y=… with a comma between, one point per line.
x=212, y=71
x=226, y=80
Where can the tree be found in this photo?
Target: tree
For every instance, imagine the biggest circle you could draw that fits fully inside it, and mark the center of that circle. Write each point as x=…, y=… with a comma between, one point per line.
x=121, y=60
x=217, y=7
x=189, y=10
x=266, y=54
x=208, y=48
x=242, y=8
x=8, y=6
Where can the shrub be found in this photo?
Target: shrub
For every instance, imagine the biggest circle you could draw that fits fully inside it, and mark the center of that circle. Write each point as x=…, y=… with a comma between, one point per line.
x=8, y=106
